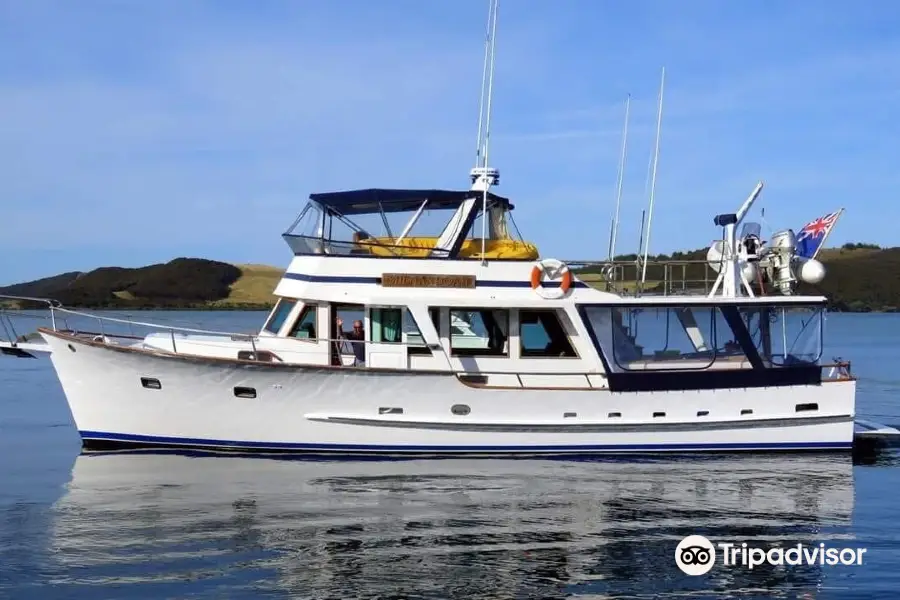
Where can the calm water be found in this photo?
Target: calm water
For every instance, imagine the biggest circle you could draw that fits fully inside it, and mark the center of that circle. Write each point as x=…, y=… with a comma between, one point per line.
x=170, y=526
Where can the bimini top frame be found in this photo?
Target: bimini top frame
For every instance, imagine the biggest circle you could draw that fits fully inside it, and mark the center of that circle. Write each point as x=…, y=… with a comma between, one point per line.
x=332, y=224
x=380, y=200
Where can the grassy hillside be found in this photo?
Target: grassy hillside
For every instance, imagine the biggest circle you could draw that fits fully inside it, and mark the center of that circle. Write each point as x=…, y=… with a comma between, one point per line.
x=180, y=283
x=253, y=288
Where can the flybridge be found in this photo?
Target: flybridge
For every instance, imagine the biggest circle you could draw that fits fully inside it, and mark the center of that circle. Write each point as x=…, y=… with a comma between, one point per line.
x=358, y=223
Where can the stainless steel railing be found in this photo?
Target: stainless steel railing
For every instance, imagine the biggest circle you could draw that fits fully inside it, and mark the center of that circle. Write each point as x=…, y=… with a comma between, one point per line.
x=663, y=277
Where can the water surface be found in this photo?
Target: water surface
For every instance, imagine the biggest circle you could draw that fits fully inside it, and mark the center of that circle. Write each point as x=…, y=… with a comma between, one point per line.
x=176, y=526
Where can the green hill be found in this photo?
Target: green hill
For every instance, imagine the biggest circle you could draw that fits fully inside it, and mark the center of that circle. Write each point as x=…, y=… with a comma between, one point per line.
x=859, y=278
x=180, y=283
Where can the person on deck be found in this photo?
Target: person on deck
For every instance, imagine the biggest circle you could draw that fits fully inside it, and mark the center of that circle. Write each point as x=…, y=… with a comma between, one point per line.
x=355, y=339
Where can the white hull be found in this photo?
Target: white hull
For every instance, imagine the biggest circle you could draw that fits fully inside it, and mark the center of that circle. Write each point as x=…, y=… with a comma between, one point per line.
x=352, y=410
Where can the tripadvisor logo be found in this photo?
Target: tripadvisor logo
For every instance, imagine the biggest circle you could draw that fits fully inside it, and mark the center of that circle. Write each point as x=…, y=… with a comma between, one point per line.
x=696, y=555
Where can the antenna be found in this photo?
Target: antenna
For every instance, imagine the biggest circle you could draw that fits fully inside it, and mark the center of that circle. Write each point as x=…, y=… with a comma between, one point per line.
x=484, y=74
x=653, y=181
x=482, y=174
x=762, y=217
x=614, y=228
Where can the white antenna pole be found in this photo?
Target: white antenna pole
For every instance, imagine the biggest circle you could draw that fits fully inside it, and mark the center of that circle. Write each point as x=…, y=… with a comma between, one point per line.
x=615, y=224
x=653, y=181
x=484, y=71
x=487, y=130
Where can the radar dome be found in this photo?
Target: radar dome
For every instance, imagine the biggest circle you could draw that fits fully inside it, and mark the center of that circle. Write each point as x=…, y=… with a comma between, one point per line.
x=714, y=258
x=714, y=255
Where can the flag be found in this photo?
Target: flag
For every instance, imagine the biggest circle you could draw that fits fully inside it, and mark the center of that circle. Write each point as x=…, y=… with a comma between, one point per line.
x=810, y=238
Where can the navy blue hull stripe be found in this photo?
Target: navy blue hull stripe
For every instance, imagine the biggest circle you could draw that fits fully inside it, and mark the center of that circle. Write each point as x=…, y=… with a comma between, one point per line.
x=377, y=281
x=397, y=449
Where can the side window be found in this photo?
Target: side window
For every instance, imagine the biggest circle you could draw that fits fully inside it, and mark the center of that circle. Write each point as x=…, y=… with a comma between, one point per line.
x=415, y=341
x=305, y=326
x=279, y=314
x=386, y=325
x=542, y=335
x=479, y=332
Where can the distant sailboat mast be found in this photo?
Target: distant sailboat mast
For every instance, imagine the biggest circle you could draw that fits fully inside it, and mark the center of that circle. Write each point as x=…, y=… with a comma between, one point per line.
x=653, y=178
x=614, y=228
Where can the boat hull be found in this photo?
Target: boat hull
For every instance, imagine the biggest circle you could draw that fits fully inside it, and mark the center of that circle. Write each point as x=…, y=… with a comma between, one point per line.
x=218, y=404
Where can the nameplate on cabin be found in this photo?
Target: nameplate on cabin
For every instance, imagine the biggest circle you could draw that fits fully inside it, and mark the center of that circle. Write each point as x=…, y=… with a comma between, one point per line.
x=427, y=281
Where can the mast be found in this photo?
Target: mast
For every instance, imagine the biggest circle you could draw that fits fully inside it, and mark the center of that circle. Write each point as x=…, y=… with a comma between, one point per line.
x=484, y=73
x=653, y=180
x=482, y=176
x=614, y=228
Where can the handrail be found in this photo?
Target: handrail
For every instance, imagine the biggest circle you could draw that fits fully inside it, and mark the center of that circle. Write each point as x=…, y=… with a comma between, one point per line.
x=50, y=302
x=151, y=325
x=612, y=275
x=22, y=315
x=253, y=337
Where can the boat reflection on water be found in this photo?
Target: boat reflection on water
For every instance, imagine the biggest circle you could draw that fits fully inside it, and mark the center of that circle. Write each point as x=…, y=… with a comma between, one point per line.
x=439, y=528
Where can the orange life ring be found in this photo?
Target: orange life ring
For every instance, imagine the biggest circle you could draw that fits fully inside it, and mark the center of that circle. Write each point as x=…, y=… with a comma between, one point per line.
x=560, y=268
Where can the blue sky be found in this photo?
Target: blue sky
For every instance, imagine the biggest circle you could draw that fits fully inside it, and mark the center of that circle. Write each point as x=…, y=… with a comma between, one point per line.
x=135, y=132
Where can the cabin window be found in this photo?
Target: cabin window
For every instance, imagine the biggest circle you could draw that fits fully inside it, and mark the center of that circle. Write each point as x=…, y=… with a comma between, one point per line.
x=479, y=332
x=279, y=314
x=305, y=326
x=665, y=338
x=541, y=334
x=387, y=325
x=733, y=336
x=415, y=341
x=785, y=335
x=658, y=338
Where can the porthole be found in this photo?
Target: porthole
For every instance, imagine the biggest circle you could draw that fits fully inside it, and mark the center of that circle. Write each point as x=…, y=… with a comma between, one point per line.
x=806, y=407
x=151, y=383
x=747, y=411
x=460, y=409
x=245, y=392
x=702, y=413
x=613, y=415
x=569, y=415
x=656, y=415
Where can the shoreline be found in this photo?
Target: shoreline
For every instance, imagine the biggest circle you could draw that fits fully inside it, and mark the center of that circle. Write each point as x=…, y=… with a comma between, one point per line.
x=247, y=308
x=268, y=307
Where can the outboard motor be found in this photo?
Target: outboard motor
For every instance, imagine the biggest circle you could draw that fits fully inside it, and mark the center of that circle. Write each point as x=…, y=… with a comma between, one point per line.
x=780, y=253
x=784, y=269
